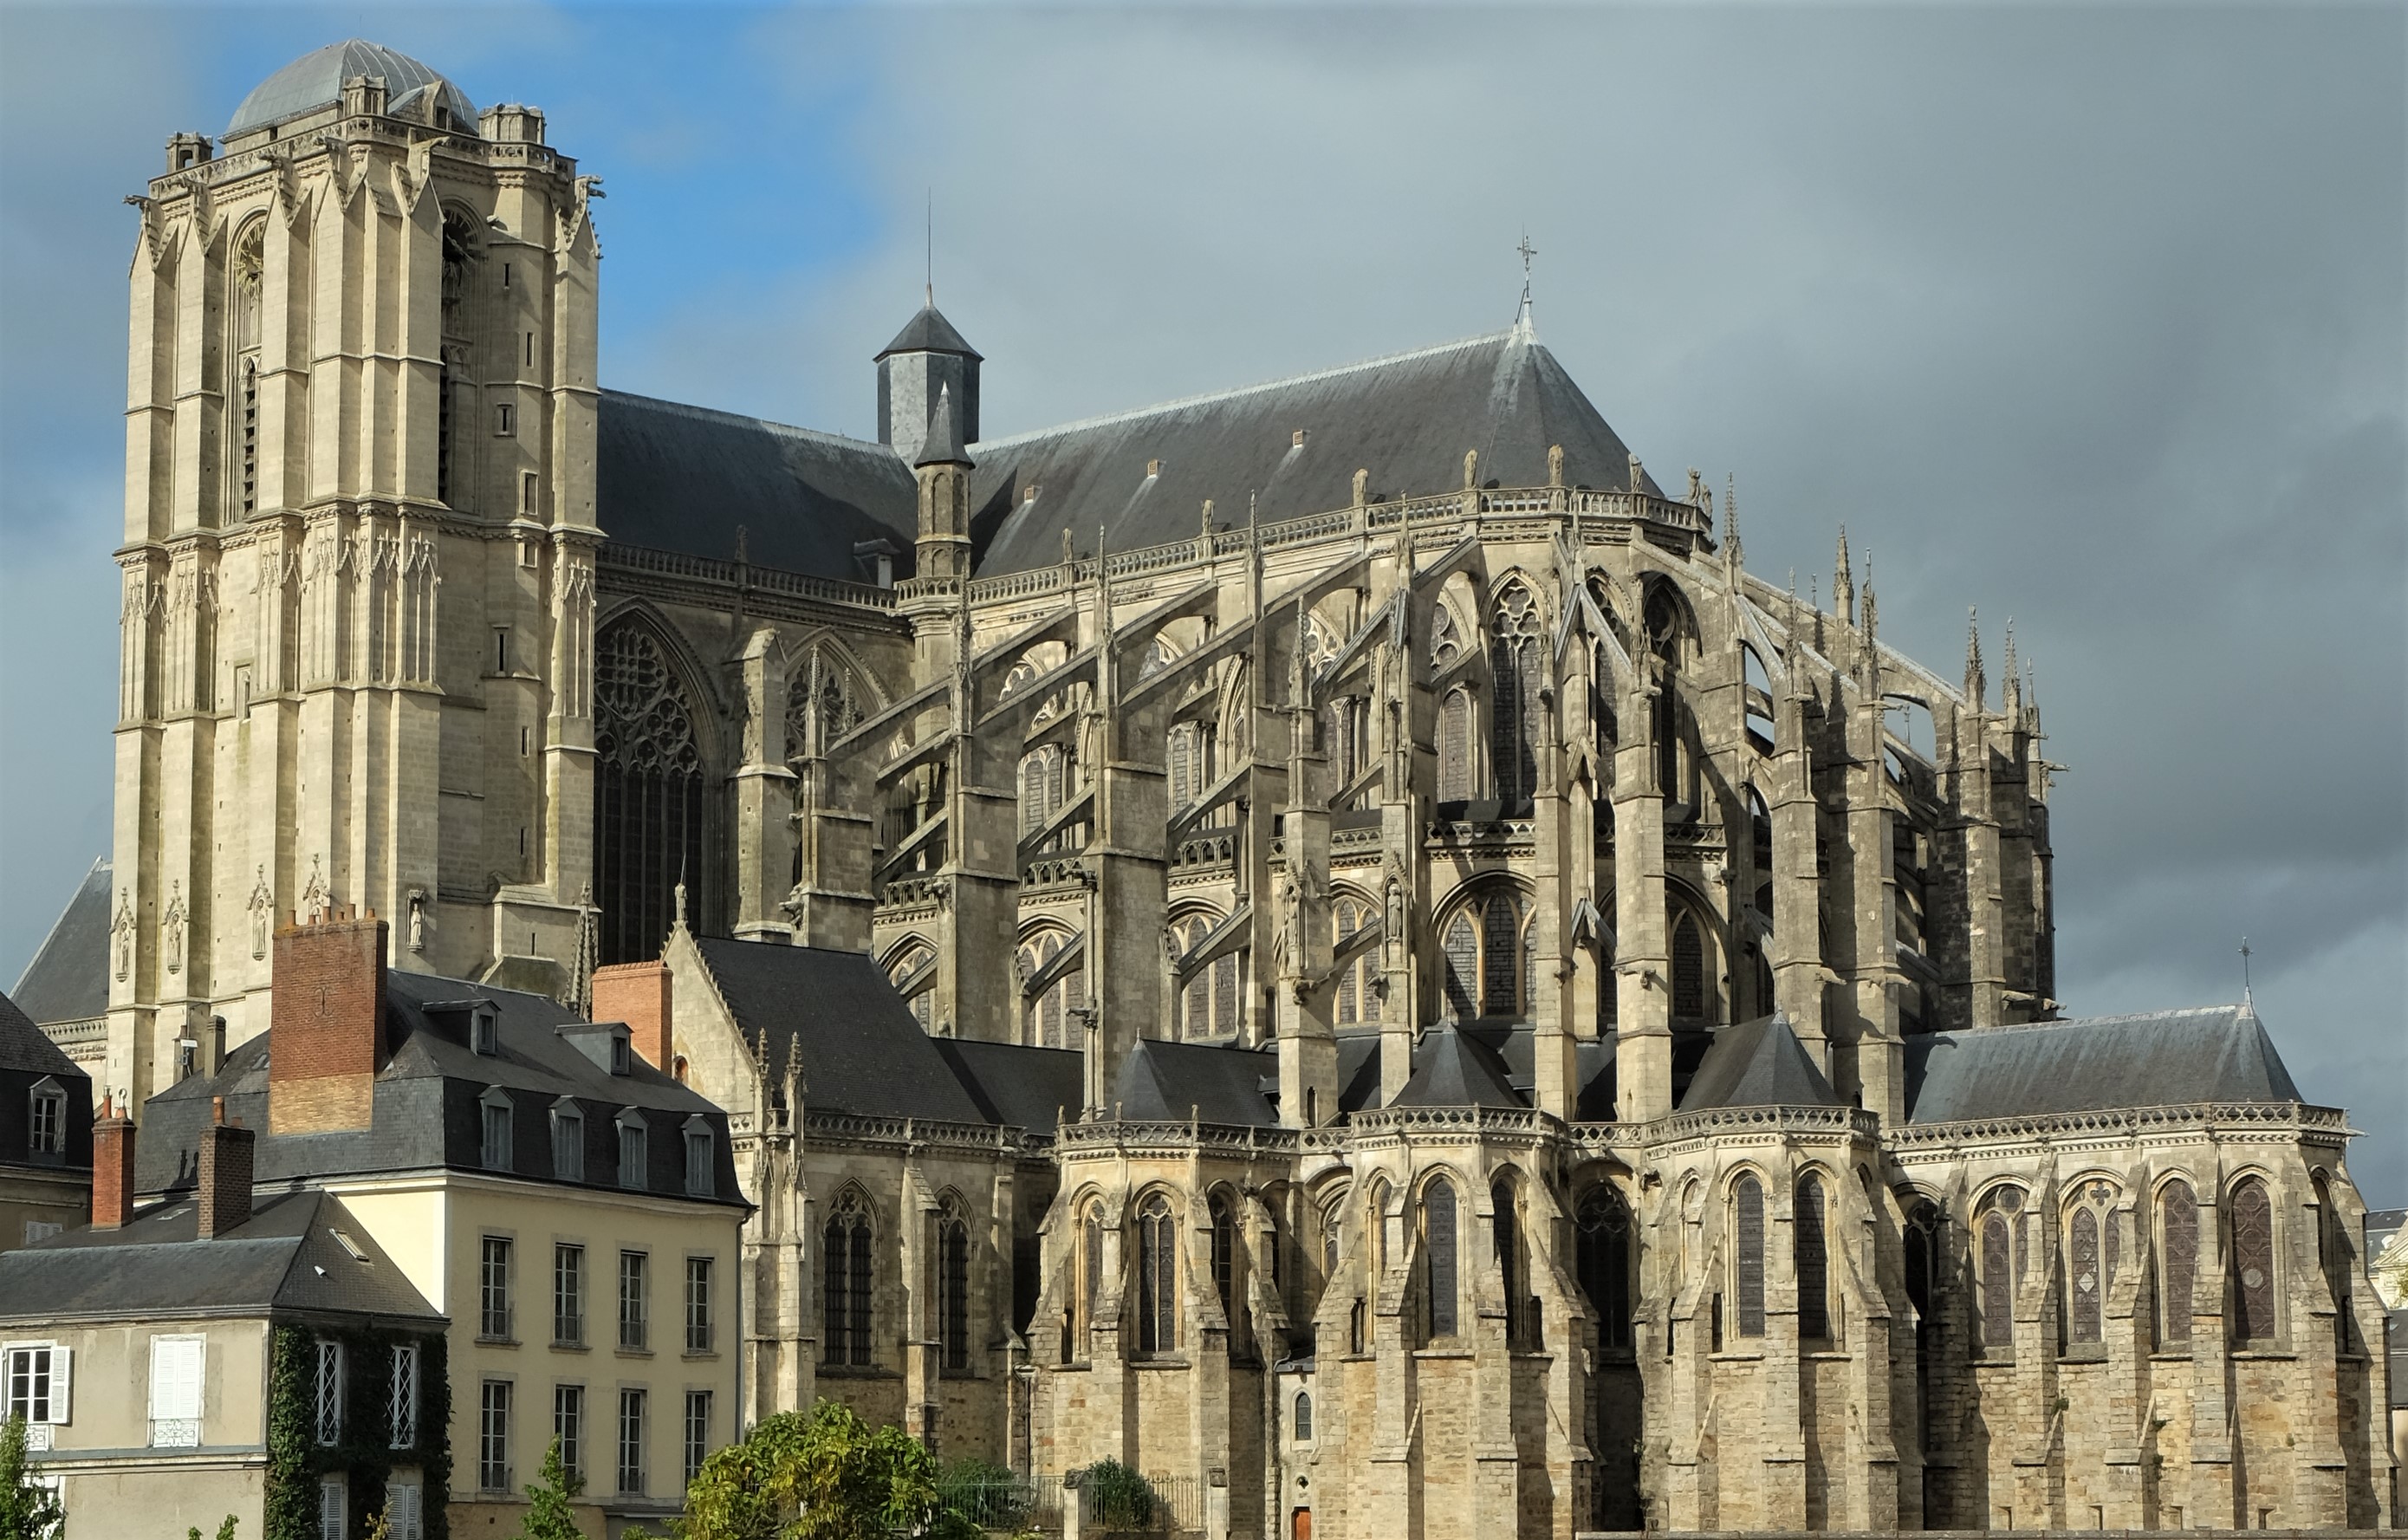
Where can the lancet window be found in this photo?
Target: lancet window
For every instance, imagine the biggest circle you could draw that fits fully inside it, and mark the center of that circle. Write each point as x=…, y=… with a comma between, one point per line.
x=953, y=1261
x=1359, y=995
x=1811, y=1254
x=912, y=970
x=1455, y=763
x=1603, y=1260
x=1052, y=1004
x=2177, y=1259
x=1516, y=718
x=647, y=796
x=1209, y=1001
x=2000, y=1267
x=1688, y=968
x=2091, y=1259
x=823, y=704
x=1484, y=956
x=2253, y=1262
x=1747, y=1254
x=1440, y=1278
x=1157, y=1276
x=845, y=1298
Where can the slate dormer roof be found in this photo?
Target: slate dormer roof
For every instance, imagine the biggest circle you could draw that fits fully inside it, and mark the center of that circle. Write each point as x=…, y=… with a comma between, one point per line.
x=299, y=1252
x=2161, y=1058
x=427, y=1103
x=1757, y=1063
x=1406, y=419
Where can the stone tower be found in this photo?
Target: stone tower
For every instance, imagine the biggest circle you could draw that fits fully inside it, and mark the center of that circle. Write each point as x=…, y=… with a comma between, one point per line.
x=359, y=548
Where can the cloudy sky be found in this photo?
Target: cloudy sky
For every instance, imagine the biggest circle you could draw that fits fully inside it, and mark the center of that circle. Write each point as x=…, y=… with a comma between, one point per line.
x=2089, y=317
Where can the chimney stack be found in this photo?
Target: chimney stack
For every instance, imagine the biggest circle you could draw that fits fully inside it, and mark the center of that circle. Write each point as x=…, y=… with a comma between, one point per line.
x=637, y=993
x=326, y=1020
x=225, y=1173
x=112, y=1168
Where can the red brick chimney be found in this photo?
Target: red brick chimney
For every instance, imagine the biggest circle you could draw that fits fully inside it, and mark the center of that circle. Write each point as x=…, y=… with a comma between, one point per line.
x=225, y=1173
x=328, y=1025
x=637, y=993
x=112, y=1168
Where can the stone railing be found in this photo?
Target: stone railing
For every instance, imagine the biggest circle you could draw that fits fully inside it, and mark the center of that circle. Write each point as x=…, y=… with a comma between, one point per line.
x=916, y=892
x=1721, y=1121
x=774, y=580
x=1413, y=1120
x=860, y=1128
x=1120, y=1134
x=2122, y=1122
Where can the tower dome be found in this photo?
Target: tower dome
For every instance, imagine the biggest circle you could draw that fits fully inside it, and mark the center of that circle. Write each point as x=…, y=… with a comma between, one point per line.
x=316, y=80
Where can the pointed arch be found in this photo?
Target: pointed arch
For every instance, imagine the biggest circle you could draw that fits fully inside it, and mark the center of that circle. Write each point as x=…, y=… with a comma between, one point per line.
x=1441, y=1277
x=649, y=757
x=1517, y=629
x=848, y=1279
x=2254, y=1254
x=1603, y=1259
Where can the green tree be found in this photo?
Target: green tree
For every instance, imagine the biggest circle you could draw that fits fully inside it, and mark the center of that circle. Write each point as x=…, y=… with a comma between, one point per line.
x=547, y=1514
x=826, y=1475
x=226, y=1530
x=28, y=1511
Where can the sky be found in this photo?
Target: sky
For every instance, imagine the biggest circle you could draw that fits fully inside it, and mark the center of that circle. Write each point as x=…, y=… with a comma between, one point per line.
x=2096, y=318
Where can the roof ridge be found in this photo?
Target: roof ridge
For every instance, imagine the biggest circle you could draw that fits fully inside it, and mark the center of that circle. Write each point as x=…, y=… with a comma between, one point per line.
x=716, y=414
x=2119, y=1020
x=1311, y=377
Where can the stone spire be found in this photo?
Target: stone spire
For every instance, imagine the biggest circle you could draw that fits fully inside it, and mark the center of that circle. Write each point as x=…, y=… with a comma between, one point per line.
x=1843, y=584
x=1976, y=685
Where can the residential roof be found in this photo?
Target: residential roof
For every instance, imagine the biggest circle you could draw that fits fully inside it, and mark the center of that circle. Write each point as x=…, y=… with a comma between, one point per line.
x=2213, y=1053
x=290, y=1256
x=862, y=1050
x=1408, y=419
x=1172, y=1082
x=427, y=1103
x=1757, y=1063
x=25, y=1046
x=316, y=80
x=686, y=478
x=68, y=978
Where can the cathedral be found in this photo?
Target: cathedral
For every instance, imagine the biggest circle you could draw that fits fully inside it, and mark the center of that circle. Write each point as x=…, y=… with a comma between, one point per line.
x=1330, y=942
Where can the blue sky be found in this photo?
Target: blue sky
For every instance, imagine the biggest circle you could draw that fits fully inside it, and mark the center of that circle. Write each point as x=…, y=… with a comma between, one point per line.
x=2089, y=317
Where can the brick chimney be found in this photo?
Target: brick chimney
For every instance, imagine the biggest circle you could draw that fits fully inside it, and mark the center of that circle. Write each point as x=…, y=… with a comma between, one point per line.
x=637, y=993
x=225, y=1173
x=112, y=1168
x=326, y=1022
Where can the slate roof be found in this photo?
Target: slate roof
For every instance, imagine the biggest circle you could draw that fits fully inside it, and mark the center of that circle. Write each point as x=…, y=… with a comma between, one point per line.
x=2214, y=1053
x=929, y=332
x=1172, y=1082
x=862, y=1049
x=1451, y=1068
x=1022, y=1087
x=26, y=1047
x=1406, y=419
x=284, y=1258
x=316, y=80
x=1757, y=1063
x=682, y=479
x=68, y=978
x=427, y=1110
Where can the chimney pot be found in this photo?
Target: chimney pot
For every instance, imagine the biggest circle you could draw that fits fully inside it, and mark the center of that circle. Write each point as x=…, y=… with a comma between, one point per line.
x=112, y=1168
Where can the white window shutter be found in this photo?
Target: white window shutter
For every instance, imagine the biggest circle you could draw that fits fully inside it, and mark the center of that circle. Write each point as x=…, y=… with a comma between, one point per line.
x=61, y=1360
x=330, y=1508
x=176, y=1379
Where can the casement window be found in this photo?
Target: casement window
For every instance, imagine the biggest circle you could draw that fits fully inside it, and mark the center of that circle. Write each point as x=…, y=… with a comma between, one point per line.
x=46, y=1122
x=569, y=1294
x=330, y=1392
x=698, y=1323
x=178, y=1367
x=632, y=1332
x=701, y=1159
x=568, y=1425
x=631, y=1442
x=1157, y=1276
x=483, y=1032
x=845, y=1298
x=1441, y=1277
x=698, y=1431
x=493, y=1288
x=635, y=1151
x=1810, y=1255
x=401, y=1407
x=494, y=1436
x=1747, y=1239
x=37, y=1375
x=567, y=1141
x=499, y=1126
x=1602, y=1261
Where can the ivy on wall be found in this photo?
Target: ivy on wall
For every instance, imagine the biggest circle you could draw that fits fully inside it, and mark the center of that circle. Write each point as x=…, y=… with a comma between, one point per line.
x=296, y=1461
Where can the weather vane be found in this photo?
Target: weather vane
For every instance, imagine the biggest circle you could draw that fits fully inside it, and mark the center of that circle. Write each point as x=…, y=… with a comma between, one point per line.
x=2244, y=965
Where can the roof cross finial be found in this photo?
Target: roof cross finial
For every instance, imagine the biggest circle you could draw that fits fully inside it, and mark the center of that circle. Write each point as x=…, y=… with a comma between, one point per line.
x=1528, y=251
x=931, y=268
x=2246, y=1004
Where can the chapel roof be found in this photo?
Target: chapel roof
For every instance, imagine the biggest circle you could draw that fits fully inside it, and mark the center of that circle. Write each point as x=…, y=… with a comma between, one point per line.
x=68, y=978
x=316, y=78
x=1757, y=1063
x=2160, y=1058
x=1407, y=418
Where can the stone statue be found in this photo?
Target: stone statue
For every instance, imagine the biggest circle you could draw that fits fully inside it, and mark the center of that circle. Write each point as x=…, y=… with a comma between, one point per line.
x=123, y=929
x=171, y=927
x=262, y=908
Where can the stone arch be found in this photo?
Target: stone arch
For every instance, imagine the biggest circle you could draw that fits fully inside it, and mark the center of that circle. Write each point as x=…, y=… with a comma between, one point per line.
x=1747, y=1195
x=1517, y=659
x=1049, y=1004
x=849, y=1292
x=1483, y=930
x=655, y=756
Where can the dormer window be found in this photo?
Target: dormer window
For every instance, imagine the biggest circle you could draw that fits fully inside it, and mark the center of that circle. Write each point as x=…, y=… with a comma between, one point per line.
x=499, y=1126
x=567, y=1141
x=482, y=1035
x=618, y=1052
x=701, y=1167
x=635, y=1151
x=46, y=1125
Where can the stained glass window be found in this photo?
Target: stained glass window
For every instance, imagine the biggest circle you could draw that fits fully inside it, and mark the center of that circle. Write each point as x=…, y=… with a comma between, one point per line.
x=1688, y=969
x=1997, y=1284
x=1439, y=1286
x=1514, y=725
x=2178, y=1271
x=845, y=1302
x=954, y=1287
x=1810, y=1243
x=1157, y=1276
x=2253, y=1262
x=1602, y=1259
x=2083, y=1279
x=647, y=795
x=1454, y=747
x=1747, y=1229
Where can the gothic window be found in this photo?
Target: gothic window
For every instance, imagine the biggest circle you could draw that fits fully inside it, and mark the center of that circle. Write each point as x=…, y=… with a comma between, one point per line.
x=1358, y=997
x=2253, y=1262
x=1689, y=968
x=1158, y=655
x=912, y=970
x=845, y=1297
x=1043, y=785
x=1320, y=641
x=822, y=705
x=1345, y=723
x=1454, y=746
x=2001, y=1265
x=1441, y=1290
x=1375, y=1216
x=1667, y=637
x=1810, y=1247
x=1091, y=1274
x=2333, y=1252
x=1505, y=1237
x=1445, y=644
x=1303, y=1420
x=1486, y=958
x=1051, y=1010
x=953, y=1286
x=1922, y=1261
x=1226, y=1278
x=1182, y=756
x=1515, y=724
x=2178, y=1258
x=2089, y=1262
x=1157, y=1276
x=1602, y=1259
x=647, y=795
x=1747, y=1245
x=1208, y=1001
